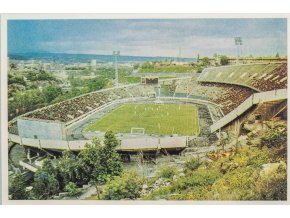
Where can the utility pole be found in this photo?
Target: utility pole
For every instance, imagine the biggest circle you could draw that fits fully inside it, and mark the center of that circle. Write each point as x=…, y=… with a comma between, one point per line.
x=116, y=54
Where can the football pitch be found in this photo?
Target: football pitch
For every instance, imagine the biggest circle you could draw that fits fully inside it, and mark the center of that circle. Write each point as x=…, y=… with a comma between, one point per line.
x=165, y=119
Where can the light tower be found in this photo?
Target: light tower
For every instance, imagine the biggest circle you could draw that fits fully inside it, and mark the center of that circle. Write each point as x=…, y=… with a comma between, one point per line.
x=238, y=42
x=116, y=54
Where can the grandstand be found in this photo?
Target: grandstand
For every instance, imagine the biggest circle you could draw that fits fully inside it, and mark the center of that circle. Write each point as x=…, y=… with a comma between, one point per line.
x=227, y=96
x=259, y=77
x=257, y=89
x=73, y=108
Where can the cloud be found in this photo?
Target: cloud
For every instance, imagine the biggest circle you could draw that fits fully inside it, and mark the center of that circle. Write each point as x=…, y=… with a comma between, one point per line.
x=153, y=37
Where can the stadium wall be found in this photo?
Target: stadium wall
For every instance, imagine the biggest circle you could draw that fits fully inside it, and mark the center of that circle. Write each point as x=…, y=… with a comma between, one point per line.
x=40, y=129
x=130, y=144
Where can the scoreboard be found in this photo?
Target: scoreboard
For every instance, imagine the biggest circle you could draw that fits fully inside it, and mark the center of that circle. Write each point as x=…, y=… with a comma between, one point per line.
x=150, y=80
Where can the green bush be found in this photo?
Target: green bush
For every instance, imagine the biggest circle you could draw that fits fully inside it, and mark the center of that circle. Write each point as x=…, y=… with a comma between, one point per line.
x=191, y=165
x=276, y=136
x=199, y=178
x=126, y=186
x=45, y=182
x=224, y=60
x=235, y=185
x=17, y=187
x=273, y=185
x=167, y=172
x=205, y=61
x=258, y=157
x=163, y=192
x=72, y=189
x=190, y=187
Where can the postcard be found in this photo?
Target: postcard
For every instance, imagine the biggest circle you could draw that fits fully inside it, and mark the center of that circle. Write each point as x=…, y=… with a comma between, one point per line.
x=144, y=109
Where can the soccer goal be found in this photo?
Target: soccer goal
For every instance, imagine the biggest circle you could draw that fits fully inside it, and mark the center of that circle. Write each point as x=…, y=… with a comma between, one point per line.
x=135, y=130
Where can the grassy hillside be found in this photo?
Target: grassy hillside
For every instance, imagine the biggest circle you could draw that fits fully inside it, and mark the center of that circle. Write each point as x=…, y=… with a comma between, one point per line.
x=256, y=171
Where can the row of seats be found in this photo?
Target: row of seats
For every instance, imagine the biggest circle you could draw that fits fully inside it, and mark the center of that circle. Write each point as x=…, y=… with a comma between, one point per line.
x=276, y=80
x=227, y=96
x=232, y=96
x=75, y=107
x=263, y=77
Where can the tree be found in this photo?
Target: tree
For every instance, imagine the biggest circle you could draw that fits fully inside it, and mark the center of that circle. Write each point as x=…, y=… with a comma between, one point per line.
x=16, y=79
x=224, y=60
x=96, y=163
x=45, y=183
x=66, y=169
x=127, y=186
x=97, y=83
x=277, y=55
x=17, y=188
x=44, y=76
x=13, y=66
x=51, y=92
x=136, y=66
x=205, y=61
x=89, y=166
x=25, y=101
x=110, y=158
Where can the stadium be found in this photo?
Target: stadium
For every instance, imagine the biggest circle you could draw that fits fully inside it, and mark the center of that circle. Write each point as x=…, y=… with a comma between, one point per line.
x=169, y=115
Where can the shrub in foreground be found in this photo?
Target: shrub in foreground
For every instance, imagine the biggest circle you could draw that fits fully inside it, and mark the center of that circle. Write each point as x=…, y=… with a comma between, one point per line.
x=126, y=186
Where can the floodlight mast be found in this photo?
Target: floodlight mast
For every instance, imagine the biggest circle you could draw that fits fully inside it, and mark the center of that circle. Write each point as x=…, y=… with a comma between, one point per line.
x=116, y=54
x=238, y=42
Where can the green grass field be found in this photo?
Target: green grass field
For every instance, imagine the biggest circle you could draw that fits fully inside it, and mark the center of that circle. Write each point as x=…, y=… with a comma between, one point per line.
x=167, y=119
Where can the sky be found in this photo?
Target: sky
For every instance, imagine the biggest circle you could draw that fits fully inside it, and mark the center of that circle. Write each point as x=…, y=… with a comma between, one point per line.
x=149, y=37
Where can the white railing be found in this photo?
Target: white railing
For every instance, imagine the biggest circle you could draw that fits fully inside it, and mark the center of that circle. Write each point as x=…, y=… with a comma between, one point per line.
x=256, y=98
